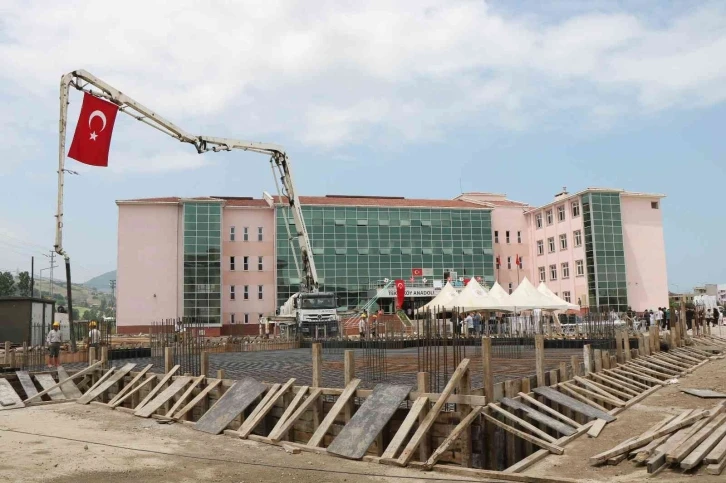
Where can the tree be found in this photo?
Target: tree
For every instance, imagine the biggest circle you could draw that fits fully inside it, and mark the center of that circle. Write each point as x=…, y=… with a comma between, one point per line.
x=7, y=284
x=76, y=315
x=24, y=284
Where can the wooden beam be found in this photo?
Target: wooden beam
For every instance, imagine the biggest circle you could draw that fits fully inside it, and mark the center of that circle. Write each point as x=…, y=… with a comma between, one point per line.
x=319, y=433
x=312, y=399
x=526, y=436
x=522, y=423
x=131, y=384
x=290, y=408
x=621, y=384
x=596, y=428
x=623, y=396
x=138, y=388
x=202, y=394
x=539, y=358
x=251, y=423
x=457, y=431
x=574, y=391
x=405, y=428
x=548, y=409
x=78, y=374
x=424, y=385
x=552, y=423
x=184, y=396
x=603, y=395
x=706, y=446
x=158, y=387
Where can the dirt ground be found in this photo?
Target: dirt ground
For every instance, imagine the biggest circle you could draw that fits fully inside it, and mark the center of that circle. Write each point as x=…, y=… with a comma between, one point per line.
x=31, y=457
x=633, y=422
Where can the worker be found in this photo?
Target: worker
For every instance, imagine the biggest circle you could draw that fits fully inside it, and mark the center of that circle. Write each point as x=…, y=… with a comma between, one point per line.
x=94, y=335
x=54, y=341
x=374, y=326
x=362, y=327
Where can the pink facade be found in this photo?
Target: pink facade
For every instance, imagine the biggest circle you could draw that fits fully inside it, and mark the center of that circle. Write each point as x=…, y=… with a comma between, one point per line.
x=148, y=283
x=251, y=215
x=645, y=259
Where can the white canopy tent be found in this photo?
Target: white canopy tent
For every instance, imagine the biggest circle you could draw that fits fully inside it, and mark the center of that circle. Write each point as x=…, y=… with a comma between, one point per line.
x=544, y=289
x=471, y=298
x=443, y=298
x=526, y=297
x=497, y=299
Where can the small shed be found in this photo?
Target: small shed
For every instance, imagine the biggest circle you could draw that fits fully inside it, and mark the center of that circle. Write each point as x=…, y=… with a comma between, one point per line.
x=25, y=319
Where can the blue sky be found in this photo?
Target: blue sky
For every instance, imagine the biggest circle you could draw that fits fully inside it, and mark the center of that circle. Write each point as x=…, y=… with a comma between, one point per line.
x=412, y=98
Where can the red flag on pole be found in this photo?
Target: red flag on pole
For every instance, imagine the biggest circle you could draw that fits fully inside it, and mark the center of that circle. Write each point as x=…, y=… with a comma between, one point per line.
x=400, y=293
x=92, y=138
x=518, y=262
x=417, y=272
x=499, y=261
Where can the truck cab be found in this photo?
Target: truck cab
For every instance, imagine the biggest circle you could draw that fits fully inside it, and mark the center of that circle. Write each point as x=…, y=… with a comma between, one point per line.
x=316, y=314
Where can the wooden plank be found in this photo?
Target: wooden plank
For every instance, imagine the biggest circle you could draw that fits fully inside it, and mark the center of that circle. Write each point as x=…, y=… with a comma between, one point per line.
x=251, y=423
x=230, y=405
x=101, y=380
x=643, y=453
x=105, y=385
x=716, y=468
x=522, y=423
x=138, y=388
x=548, y=409
x=405, y=428
x=596, y=428
x=290, y=409
x=538, y=416
x=433, y=413
x=130, y=385
x=202, y=394
x=717, y=453
x=678, y=454
x=612, y=392
x=597, y=396
x=657, y=460
x=632, y=390
x=356, y=437
x=539, y=455
x=9, y=399
x=159, y=386
x=573, y=404
x=68, y=387
x=304, y=406
x=570, y=391
x=627, y=379
x=27, y=383
x=643, y=440
x=78, y=374
x=539, y=358
x=319, y=433
x=271, y=392
x=47, y=382
x=552, y=448
x=706, y=446
x=593, y=388
x=153, y=405
x=704, y=393
x=629, y=370
x=184, y=396
x=492, y=476
x=457, y=431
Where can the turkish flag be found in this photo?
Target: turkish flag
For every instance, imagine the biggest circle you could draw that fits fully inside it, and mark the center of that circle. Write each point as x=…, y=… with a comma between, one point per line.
x=400, y=293
x=466, y=281
x=417, y=272
x=518, y=262
x=499, y=262
x=92, y=138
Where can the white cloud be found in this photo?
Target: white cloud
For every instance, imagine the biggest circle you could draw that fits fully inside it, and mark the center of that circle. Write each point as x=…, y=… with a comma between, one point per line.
x=339, y=73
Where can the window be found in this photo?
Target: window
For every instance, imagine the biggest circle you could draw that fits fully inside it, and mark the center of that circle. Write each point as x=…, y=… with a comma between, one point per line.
x=542, y=274
x=231, y=292
x=565, y=270
x=566, y=297
x=510, y=288
x=521, y=261
x=577, y=235
x=548, y=214
x=509, y=263
x=519, y=237
x=563, y=241
x=579, y=268
x=506, y=234
x=538, y=220
x=551, y=244
x=259, y=264
x=259, y=233
x=553, y=272
x=654, y=205
x=246, y=236
x=575, y=209
x=259, y=292
x=561, y=213
x=496, y=236
x=231, y=318
x=231, y=233
x=540, y=247
x=231, y=263
x=246, y=293
x=245, y=263
x=247, y=318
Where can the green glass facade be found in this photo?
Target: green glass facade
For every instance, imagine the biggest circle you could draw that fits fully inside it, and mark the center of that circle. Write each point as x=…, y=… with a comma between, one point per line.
x=604, y=252
x=354, y=247
x=202, y=262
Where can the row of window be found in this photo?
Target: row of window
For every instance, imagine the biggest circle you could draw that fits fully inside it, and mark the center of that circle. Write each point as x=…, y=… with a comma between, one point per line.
x=576, y=235
x=561, y=214
x=245, y=318
x=245, y=264
x=246, y=233
x=506, y=237
x=579, y=271
x=509, y=263
x=246, y=292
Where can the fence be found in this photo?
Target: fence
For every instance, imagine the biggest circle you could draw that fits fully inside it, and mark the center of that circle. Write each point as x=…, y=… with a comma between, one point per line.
x=184, y=337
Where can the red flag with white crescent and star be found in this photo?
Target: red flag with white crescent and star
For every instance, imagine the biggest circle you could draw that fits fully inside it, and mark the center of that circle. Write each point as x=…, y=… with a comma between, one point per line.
x=400, y=293
x=92, y=139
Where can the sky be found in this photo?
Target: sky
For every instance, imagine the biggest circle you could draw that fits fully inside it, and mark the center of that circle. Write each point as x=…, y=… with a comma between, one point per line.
x=420, y=98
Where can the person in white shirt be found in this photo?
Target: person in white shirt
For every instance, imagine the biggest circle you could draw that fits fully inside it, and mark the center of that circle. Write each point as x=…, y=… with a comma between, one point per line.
x=94, y=336
x=54, y=341
x=362, y=327
x=469, y=321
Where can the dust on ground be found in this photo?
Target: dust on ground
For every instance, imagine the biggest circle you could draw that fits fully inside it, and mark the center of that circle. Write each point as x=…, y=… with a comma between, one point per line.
x=634, y=421
x=27, y=457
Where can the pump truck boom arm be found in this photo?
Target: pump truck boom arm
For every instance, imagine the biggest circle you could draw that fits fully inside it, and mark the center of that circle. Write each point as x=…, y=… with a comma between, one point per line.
x=84, y=81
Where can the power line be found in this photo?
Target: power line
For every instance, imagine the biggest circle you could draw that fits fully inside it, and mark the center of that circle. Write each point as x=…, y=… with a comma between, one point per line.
x=244, y=463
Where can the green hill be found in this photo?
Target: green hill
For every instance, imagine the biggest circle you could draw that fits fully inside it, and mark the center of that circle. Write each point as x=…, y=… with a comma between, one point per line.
x=102, y=283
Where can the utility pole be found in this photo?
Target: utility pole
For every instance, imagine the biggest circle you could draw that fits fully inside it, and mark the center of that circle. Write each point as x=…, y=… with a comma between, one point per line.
x=112, y=283
x=52, y=259
x=32, y=276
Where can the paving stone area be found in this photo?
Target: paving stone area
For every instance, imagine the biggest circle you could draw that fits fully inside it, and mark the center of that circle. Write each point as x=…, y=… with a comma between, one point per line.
x=402, y=365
